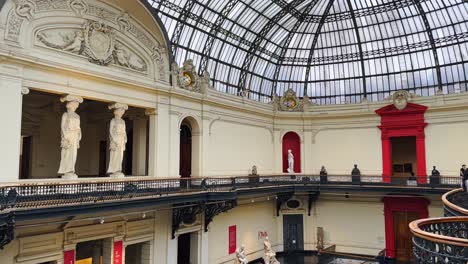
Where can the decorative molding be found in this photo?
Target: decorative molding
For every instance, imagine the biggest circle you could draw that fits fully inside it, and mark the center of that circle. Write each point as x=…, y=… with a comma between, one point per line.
x=184, y=214
x=212, y=121
x=7, y=229
x=24, y=90
x=13, y=26
x=25, y=9
x=272, y=133
x=78, y=6
x=214, y=209
x=96, y=41
x=150, y=111
x=280, y=199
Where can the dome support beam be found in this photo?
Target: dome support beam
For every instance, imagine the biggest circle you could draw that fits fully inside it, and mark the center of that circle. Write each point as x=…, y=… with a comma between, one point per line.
x=314, y=43
x=213, y=33
x=431, y=40
x=288, y=40
x=258, y=40
x=180, y=26
x=359, y=44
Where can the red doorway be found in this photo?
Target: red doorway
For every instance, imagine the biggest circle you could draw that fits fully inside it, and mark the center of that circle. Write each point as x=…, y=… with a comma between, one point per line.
x=399, y=211
x=292, y=141
x=408, y=122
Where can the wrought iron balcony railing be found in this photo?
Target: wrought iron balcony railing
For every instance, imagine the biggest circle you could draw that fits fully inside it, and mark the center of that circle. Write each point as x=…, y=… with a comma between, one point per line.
x=455, y=203
x=440, y=240
x=43, y=193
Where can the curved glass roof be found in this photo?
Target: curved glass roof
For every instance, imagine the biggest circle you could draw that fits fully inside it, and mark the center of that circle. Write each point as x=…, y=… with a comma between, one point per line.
x=334, y=51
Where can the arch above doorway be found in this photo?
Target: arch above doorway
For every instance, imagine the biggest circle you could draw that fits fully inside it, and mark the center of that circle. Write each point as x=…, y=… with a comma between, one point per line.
x=403, y=123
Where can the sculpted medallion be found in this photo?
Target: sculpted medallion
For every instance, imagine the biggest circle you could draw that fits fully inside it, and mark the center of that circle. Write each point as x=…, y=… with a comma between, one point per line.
x=99, y=42
x=290, y=102
x=400, y=99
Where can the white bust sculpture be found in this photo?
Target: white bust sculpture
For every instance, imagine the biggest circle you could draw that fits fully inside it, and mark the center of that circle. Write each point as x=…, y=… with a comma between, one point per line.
x=70, y=137
x=290, y=161
x=241, y=258
x=269, y=255
x=117, y=140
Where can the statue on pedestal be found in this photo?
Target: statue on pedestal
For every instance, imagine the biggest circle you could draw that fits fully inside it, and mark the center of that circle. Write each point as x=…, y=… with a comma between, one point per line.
x=241, y=257
x=269, y=256
x=290, y=161
x=117, y=140
x=323, y=171
x=355, y=171
x=70, y=137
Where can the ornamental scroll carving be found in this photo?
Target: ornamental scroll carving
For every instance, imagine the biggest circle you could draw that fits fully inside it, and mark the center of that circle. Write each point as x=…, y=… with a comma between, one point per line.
x=96, y=41
x=98, y=38
x=187, y=77
x=289, y=102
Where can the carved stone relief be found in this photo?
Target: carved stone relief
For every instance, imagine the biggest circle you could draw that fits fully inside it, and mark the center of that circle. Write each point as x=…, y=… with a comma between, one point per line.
x=289, y=102
x=96, y=42
x=186, y=76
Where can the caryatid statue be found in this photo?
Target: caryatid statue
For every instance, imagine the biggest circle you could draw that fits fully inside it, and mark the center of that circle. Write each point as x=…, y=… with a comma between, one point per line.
x=290, y=161
x=241, y=257
x=117, y=140
x=269, y=255
x=70, y=136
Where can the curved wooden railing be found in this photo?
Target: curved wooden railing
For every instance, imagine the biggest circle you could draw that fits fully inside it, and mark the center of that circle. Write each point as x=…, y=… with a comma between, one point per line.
x=455, y=203
x=440, y=240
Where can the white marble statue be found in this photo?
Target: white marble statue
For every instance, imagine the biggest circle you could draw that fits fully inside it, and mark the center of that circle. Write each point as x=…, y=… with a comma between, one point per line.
x=117, y=140
x=241, y=257
x=70, y=137
x=75, y=45
x=269, y=255
x=290, y=161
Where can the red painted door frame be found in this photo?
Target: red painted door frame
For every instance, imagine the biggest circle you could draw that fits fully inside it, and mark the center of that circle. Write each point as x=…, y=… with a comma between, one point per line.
x=403, y=123
x=400, y=204
x=292, y=141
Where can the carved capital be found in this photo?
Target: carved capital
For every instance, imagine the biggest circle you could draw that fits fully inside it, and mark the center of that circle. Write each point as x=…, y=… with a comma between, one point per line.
x=24, y=90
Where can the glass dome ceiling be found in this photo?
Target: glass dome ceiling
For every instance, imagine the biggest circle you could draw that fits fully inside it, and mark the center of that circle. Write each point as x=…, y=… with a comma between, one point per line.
x=334, y=51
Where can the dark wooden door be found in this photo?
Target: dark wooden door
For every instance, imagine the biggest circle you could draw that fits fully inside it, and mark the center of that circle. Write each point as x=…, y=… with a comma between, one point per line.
x=185, y=163
x=403, y=237
x=183, y=249
x=293, y=233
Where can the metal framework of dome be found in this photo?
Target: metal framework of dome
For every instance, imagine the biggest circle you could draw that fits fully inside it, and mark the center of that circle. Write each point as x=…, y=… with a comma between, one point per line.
x=334, y=51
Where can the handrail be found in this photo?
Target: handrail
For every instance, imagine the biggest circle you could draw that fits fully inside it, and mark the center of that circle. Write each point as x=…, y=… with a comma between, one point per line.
x=45, y=193
x=448, y=203
x=417, y=228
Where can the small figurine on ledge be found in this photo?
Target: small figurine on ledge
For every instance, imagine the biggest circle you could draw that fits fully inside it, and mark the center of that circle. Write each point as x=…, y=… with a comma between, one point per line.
x=323, y=175
x=323, y=171
x=254, y=171
x=290, y=161
x=435, y=174
x=241, y=257
x=355, y=175
x=355, y=171
x=269, y=256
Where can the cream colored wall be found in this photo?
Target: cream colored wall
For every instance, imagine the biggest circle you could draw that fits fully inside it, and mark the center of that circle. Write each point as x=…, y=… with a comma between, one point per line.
x=339, y=149
x=232, y=149
x=249, y=219
x=354, y=225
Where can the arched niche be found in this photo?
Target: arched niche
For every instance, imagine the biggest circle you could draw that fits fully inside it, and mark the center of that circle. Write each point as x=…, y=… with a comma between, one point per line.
x=292, y=141
x=189, y=147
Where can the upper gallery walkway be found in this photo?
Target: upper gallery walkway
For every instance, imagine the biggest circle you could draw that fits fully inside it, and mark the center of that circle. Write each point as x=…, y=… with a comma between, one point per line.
x=45, y=197
x=455, y=203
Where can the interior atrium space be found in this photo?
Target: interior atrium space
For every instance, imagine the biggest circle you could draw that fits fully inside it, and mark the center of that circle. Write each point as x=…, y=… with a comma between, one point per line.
x=234, y=132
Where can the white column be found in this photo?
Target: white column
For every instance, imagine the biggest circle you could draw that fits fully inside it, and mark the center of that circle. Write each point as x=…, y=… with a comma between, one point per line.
x=151, y=113
x=172, y=251
x=162, y=234
x=204, y=253
x=163, y=137
x=139, y=147
x=11, y=101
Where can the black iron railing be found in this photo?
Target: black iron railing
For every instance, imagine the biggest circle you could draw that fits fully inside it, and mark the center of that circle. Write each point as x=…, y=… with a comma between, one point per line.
x=46, y=194
x=440, y=240
x=455, y=203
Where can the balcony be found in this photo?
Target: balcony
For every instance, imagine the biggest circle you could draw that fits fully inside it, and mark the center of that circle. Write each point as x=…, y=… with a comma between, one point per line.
x=35, y=195
x=440, y=240
x=455, y=203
